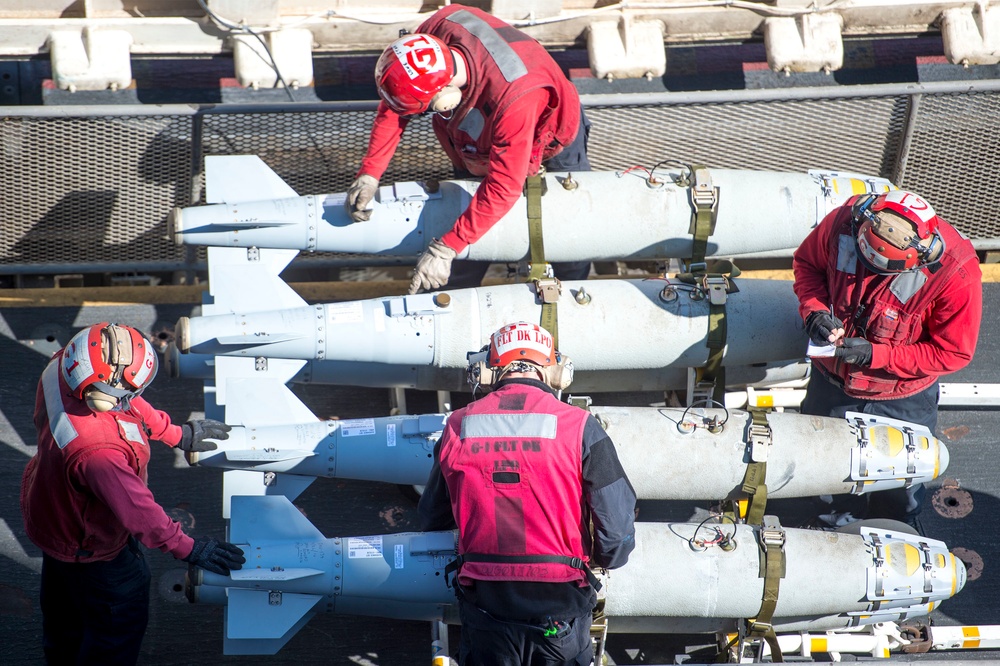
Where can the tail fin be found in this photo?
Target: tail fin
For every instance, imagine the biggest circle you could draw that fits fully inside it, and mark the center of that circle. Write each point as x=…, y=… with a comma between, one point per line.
x=253, y=625
x=239, y=178
x=238, y=483
x=247, y=280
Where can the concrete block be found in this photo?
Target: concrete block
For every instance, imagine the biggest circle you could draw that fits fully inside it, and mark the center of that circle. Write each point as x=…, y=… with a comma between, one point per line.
x=626, y=49
x=91, y=59
x=292, y=51
x=971, y=35
x=807, y=43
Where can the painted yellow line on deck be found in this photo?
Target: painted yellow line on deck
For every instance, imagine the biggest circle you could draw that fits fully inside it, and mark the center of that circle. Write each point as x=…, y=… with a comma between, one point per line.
x=315, y=292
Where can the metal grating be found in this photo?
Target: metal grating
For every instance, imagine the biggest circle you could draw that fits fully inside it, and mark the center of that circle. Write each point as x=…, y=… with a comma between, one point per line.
x=319, y=153
x=782, y=136
x=95, y=190
x=92, y=190
x=954, y=159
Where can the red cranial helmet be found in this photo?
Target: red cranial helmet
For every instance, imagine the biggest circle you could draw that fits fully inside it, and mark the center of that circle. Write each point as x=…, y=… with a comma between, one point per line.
x=110, y=362
x=898, y=232
x=521, y=342
x=412, y=70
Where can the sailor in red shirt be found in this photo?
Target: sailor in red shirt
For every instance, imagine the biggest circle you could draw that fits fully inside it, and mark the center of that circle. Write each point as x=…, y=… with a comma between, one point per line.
x=898, y=291
x=502, y=108
x=85, y=501
x=524, y=476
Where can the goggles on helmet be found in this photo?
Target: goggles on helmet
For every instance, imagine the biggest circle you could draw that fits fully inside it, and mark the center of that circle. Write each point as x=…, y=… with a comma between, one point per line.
x=115, y=360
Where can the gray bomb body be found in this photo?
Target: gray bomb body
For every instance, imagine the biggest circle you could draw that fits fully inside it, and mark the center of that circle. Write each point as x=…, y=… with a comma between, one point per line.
x=663, y=450
x=292, y=571
x=757, y=212
x=383, y=375
x=628, y=328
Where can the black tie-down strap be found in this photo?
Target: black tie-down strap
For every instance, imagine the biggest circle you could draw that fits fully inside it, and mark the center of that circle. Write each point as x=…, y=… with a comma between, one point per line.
x=574, y=562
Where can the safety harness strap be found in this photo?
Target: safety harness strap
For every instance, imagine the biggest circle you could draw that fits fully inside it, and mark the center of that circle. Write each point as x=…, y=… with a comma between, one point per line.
x=771, y=537
x=754, y=480
x=575, y=562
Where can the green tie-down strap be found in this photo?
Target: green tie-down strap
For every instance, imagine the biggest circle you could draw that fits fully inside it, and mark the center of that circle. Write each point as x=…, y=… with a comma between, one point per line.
x=716, y=285
x=754, y=480
x=772, y=569
x=534, y=188
x=704, y=206
x=548, y=289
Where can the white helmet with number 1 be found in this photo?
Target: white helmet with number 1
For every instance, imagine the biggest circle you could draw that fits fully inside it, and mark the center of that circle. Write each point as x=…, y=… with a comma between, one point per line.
x=107, y=364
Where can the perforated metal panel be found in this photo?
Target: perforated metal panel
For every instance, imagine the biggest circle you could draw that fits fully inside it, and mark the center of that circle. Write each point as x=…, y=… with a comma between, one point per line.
x=954, y=159
x=95, y=190
x=321, y=152
x=783, y=136
x=92, y=190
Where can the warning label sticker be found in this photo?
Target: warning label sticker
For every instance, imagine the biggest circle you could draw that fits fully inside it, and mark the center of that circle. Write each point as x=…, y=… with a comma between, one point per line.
x=351, y=312
x=364, y=547
x=357, y=427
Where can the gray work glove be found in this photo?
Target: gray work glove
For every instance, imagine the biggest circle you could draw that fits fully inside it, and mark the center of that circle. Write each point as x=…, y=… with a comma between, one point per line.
x=359, y=195
x=820, y=326
x=193, y=434
x=856, y=351
x=433, y=267
x=219, y=557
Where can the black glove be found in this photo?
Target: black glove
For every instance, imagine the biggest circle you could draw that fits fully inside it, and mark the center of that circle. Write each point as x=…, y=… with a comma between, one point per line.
x=216, y=556
x=820, y=325
x=194, y=432
x=856, y=351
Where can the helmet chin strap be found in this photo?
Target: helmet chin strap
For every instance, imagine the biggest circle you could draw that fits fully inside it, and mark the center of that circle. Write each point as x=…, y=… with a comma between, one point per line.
x=100, y=402
x=102, y=397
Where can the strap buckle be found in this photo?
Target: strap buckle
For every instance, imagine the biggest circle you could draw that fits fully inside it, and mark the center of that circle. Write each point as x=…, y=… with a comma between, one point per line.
x=697, y=267
x=548, y=289
x=771, y=534
x=703, y=193
x=757, y=629
x=760, y=442
x=717, y=286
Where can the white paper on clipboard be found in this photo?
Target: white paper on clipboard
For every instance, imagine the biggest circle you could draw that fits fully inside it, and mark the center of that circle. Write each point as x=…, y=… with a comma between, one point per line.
x=820, y=351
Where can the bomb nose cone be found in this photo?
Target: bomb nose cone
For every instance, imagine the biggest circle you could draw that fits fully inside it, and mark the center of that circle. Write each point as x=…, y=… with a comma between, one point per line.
x=961, y=574
x=944, y=457
x=175, y=225
x=182, y=333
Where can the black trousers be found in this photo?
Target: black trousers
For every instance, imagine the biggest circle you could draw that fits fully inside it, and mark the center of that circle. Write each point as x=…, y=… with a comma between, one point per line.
x=486, y=641
x=825, y=398
x=95, y=613
x=465, y=274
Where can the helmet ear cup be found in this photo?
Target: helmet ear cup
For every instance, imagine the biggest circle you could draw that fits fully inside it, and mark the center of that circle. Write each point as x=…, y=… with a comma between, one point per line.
x=558, y=375
x=99, y=401
x=446, y=99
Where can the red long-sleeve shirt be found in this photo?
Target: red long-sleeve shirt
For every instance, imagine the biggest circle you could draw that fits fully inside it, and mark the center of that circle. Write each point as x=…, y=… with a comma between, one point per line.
x=510, y=162
x=84, y=492
x=517, y=109
x=909, y=346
